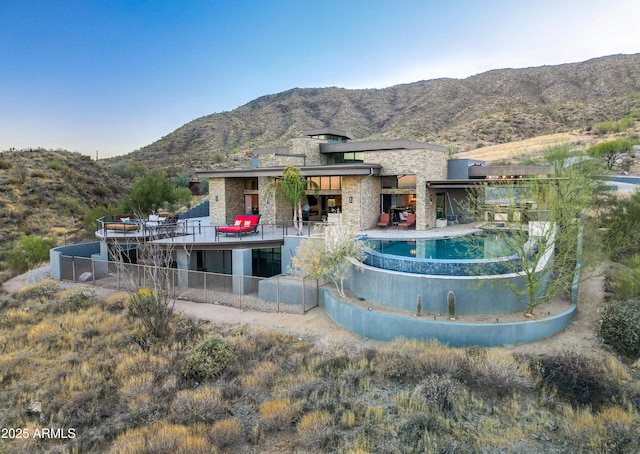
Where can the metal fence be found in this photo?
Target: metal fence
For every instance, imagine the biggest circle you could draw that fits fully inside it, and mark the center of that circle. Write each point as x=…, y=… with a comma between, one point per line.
x=282, y=293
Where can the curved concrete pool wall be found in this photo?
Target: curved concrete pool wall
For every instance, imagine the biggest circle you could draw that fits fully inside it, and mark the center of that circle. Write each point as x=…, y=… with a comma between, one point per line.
x=375, y=325
x=475, y=295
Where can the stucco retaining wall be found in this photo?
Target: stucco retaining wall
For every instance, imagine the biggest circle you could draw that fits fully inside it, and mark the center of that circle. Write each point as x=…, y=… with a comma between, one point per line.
x=375, y=325
x=86, y=250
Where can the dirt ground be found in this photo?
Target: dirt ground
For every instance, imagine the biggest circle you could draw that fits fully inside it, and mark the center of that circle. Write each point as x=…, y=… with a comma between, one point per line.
x=580, y=336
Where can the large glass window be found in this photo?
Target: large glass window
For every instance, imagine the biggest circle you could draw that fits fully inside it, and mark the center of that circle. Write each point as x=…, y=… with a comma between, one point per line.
x=349, y=158
x=251, y=184
x=327, y=183
x=266, y=262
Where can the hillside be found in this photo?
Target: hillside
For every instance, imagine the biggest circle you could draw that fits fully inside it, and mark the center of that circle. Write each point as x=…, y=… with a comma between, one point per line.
x=45, y=192
x=491, y=108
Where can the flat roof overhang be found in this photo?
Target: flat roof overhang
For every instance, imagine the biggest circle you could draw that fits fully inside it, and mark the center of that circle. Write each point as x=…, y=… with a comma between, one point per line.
x=307, y=171
x=379, y=145
x=221, y=246
x=498, y=171
x=467, y=184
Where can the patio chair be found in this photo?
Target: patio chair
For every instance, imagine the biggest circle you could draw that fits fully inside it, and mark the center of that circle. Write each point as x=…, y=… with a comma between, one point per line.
x=385, y=220
x=410, y=222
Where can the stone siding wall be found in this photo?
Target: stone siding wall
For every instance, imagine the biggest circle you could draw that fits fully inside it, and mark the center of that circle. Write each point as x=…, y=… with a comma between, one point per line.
x=270, y=160
x=310, y=148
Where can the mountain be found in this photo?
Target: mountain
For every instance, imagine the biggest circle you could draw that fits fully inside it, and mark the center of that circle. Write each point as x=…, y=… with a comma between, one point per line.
x=494, y=107
x=48, y=192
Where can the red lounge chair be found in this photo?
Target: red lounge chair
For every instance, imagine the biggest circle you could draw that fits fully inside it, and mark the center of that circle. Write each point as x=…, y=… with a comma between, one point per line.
x=411, y=220
x=384, y=220
x=243, y=223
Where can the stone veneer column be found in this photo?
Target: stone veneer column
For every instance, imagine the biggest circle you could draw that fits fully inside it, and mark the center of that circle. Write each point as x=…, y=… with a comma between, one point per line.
x=364, y=209
x=226, y=199
x=216, y=206
x=266, y=205
x=277, y=210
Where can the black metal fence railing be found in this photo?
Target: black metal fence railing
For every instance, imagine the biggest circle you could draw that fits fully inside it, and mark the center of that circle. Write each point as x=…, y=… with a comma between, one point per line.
x=282, y=293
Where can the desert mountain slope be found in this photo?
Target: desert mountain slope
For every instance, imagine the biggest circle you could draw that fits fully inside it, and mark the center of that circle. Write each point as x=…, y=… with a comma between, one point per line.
x=494, y=107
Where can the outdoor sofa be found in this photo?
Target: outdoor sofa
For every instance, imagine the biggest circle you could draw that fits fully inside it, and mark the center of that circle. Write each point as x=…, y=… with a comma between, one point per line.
x=243, y=223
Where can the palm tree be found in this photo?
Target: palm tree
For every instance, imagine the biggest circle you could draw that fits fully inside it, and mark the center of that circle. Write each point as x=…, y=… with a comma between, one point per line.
x=293, y=186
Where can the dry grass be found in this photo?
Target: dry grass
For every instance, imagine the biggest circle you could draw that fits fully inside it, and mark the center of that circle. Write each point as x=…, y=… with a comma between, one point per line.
x=90, y=370
x=529, y=147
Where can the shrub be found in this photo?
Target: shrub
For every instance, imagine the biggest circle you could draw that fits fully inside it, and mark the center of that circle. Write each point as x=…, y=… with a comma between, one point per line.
x=76, y=298
x=203, y=404
x=623, y=278
x=153, y=309
x=580, y=380
x=313, y=428
x=207, y=360
x=162, y=438
x=187, y=328
x=438, y=391
x=217, y=157
x=115, y=302
x=5, y=164
x=620, y=326
x=496, y=372
x=127, y=170
x=280, y=413
x=142, y=363
x=42, y=290
x=45, y=332
x=28, y=252
x=226, y=433
x=412, y=360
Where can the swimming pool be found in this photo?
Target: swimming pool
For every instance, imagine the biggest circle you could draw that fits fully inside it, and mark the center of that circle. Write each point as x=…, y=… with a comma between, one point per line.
x=485, y=245
x=486, y=253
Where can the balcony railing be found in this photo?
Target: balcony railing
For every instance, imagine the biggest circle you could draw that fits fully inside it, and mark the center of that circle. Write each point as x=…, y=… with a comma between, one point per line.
x=197, y=231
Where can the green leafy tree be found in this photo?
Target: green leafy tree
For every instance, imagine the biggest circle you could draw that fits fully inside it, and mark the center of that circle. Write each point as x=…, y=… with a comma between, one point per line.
x=149, y=194
x=182, y=180
x=182, y=197
x=328, y=256
x=293, y=186
x=610, y=151
x=549, y=247
x=622, y=222
x=28, y=252
x=90, y=219
x=204, y=186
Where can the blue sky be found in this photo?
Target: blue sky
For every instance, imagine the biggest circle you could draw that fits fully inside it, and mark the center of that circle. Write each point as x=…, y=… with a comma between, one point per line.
x=113, y=76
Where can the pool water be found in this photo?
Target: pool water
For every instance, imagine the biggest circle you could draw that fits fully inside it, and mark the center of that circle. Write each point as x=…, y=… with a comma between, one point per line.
x=486, y=245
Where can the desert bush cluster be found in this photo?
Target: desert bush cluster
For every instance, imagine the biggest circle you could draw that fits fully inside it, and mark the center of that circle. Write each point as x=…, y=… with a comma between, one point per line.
x=222, y=388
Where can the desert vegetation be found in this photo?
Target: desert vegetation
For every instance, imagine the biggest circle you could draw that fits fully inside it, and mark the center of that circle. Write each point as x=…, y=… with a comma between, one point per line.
x=78, y=362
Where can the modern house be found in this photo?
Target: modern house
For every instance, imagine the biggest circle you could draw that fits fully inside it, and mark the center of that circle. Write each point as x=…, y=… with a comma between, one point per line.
x=414, y=184
x=360, y=179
